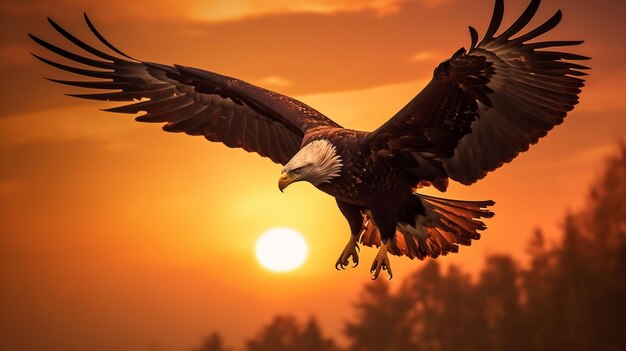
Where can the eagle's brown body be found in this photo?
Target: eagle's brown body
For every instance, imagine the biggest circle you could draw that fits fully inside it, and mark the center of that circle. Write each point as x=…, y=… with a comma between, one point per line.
x=364, y=179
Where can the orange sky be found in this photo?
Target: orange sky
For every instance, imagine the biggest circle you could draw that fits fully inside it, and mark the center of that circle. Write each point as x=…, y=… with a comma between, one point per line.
x=115, y=235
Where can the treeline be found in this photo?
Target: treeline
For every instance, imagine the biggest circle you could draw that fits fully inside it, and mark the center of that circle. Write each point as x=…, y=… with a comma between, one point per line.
x=572, y=295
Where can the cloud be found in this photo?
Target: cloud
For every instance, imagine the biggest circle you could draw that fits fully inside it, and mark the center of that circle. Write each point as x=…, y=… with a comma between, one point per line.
x=365, y=109
x=211, y=10
x=433, y=3
x=14, y=54
x=603, y=93
x=426, y=56
x=74, y=122
x=10, y=186
x=274, y=81
x=581, y=159
x=237, y=9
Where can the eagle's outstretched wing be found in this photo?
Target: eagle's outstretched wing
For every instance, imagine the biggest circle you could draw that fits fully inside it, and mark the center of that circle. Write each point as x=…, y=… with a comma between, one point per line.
x=190, y=100
x=486, y=105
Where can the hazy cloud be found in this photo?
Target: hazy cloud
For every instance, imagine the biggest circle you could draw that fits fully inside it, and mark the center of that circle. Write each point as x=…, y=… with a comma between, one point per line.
x=274, y=81
x=212, y=10
x=433, y=3
x=582, y=159
x=603, y=93
x=67, y=123
x=365, y=109
x=237, y=9
x=10, y=186
x=230, y=10
x=14, y=54
x=426, y=56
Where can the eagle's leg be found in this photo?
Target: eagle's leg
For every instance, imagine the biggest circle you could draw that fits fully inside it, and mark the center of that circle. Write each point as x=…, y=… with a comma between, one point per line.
x=381, y=261
x=387, y=228
x=350, y=251
x=355, y=220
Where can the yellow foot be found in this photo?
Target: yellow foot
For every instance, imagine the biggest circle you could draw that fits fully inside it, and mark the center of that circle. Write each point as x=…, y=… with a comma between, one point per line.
x=350, y=251
x=381, y=262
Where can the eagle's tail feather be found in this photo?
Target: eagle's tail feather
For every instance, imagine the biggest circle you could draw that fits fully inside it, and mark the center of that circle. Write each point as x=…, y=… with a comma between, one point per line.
x=446, y=225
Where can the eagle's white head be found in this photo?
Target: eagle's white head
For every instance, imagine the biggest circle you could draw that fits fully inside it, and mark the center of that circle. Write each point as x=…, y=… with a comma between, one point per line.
x=317, y=162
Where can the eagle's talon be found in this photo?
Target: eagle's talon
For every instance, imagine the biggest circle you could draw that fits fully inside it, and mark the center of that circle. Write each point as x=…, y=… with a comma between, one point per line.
x=349, y=252
x=381, y=262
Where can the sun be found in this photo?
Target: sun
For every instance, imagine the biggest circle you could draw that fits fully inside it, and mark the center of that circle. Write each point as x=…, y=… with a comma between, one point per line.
x=281, y=249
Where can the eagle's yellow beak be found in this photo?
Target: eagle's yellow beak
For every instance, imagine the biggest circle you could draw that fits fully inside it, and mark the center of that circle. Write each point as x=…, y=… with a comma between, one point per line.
x=285, y=180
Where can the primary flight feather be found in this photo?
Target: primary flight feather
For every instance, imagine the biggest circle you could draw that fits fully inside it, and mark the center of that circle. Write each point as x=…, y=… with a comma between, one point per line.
x=482, y=108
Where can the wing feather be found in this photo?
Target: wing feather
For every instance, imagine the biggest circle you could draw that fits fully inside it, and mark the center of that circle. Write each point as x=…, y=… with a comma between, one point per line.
x=485, y=106
x=186, y=99
x=156, y=92
x=69, y=55
x=522, y=21
x=496, y=21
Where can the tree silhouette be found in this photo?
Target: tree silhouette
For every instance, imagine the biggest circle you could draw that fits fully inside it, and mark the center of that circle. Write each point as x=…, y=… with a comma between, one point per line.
x=311, y=339
x=280, y=335
x=539, y=313
x=285, y=334
x=501, y=301
x=378, y=314
x=213, y=342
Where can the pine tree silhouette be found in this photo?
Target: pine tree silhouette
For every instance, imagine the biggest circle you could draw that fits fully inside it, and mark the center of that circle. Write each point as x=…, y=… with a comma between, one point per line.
x=213, y=342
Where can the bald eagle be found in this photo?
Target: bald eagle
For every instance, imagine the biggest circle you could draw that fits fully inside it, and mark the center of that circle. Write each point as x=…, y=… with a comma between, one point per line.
x=482, y=108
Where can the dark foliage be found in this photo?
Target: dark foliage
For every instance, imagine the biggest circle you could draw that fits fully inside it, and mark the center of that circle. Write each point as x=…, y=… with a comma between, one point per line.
x=284, y=333
x=213, y=342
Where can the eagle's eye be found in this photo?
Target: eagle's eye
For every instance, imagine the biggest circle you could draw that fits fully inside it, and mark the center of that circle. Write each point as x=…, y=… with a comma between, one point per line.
x=297, y=171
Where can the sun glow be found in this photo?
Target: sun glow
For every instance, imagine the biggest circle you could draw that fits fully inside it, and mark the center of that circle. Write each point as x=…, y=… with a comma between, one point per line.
x=281, y=249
